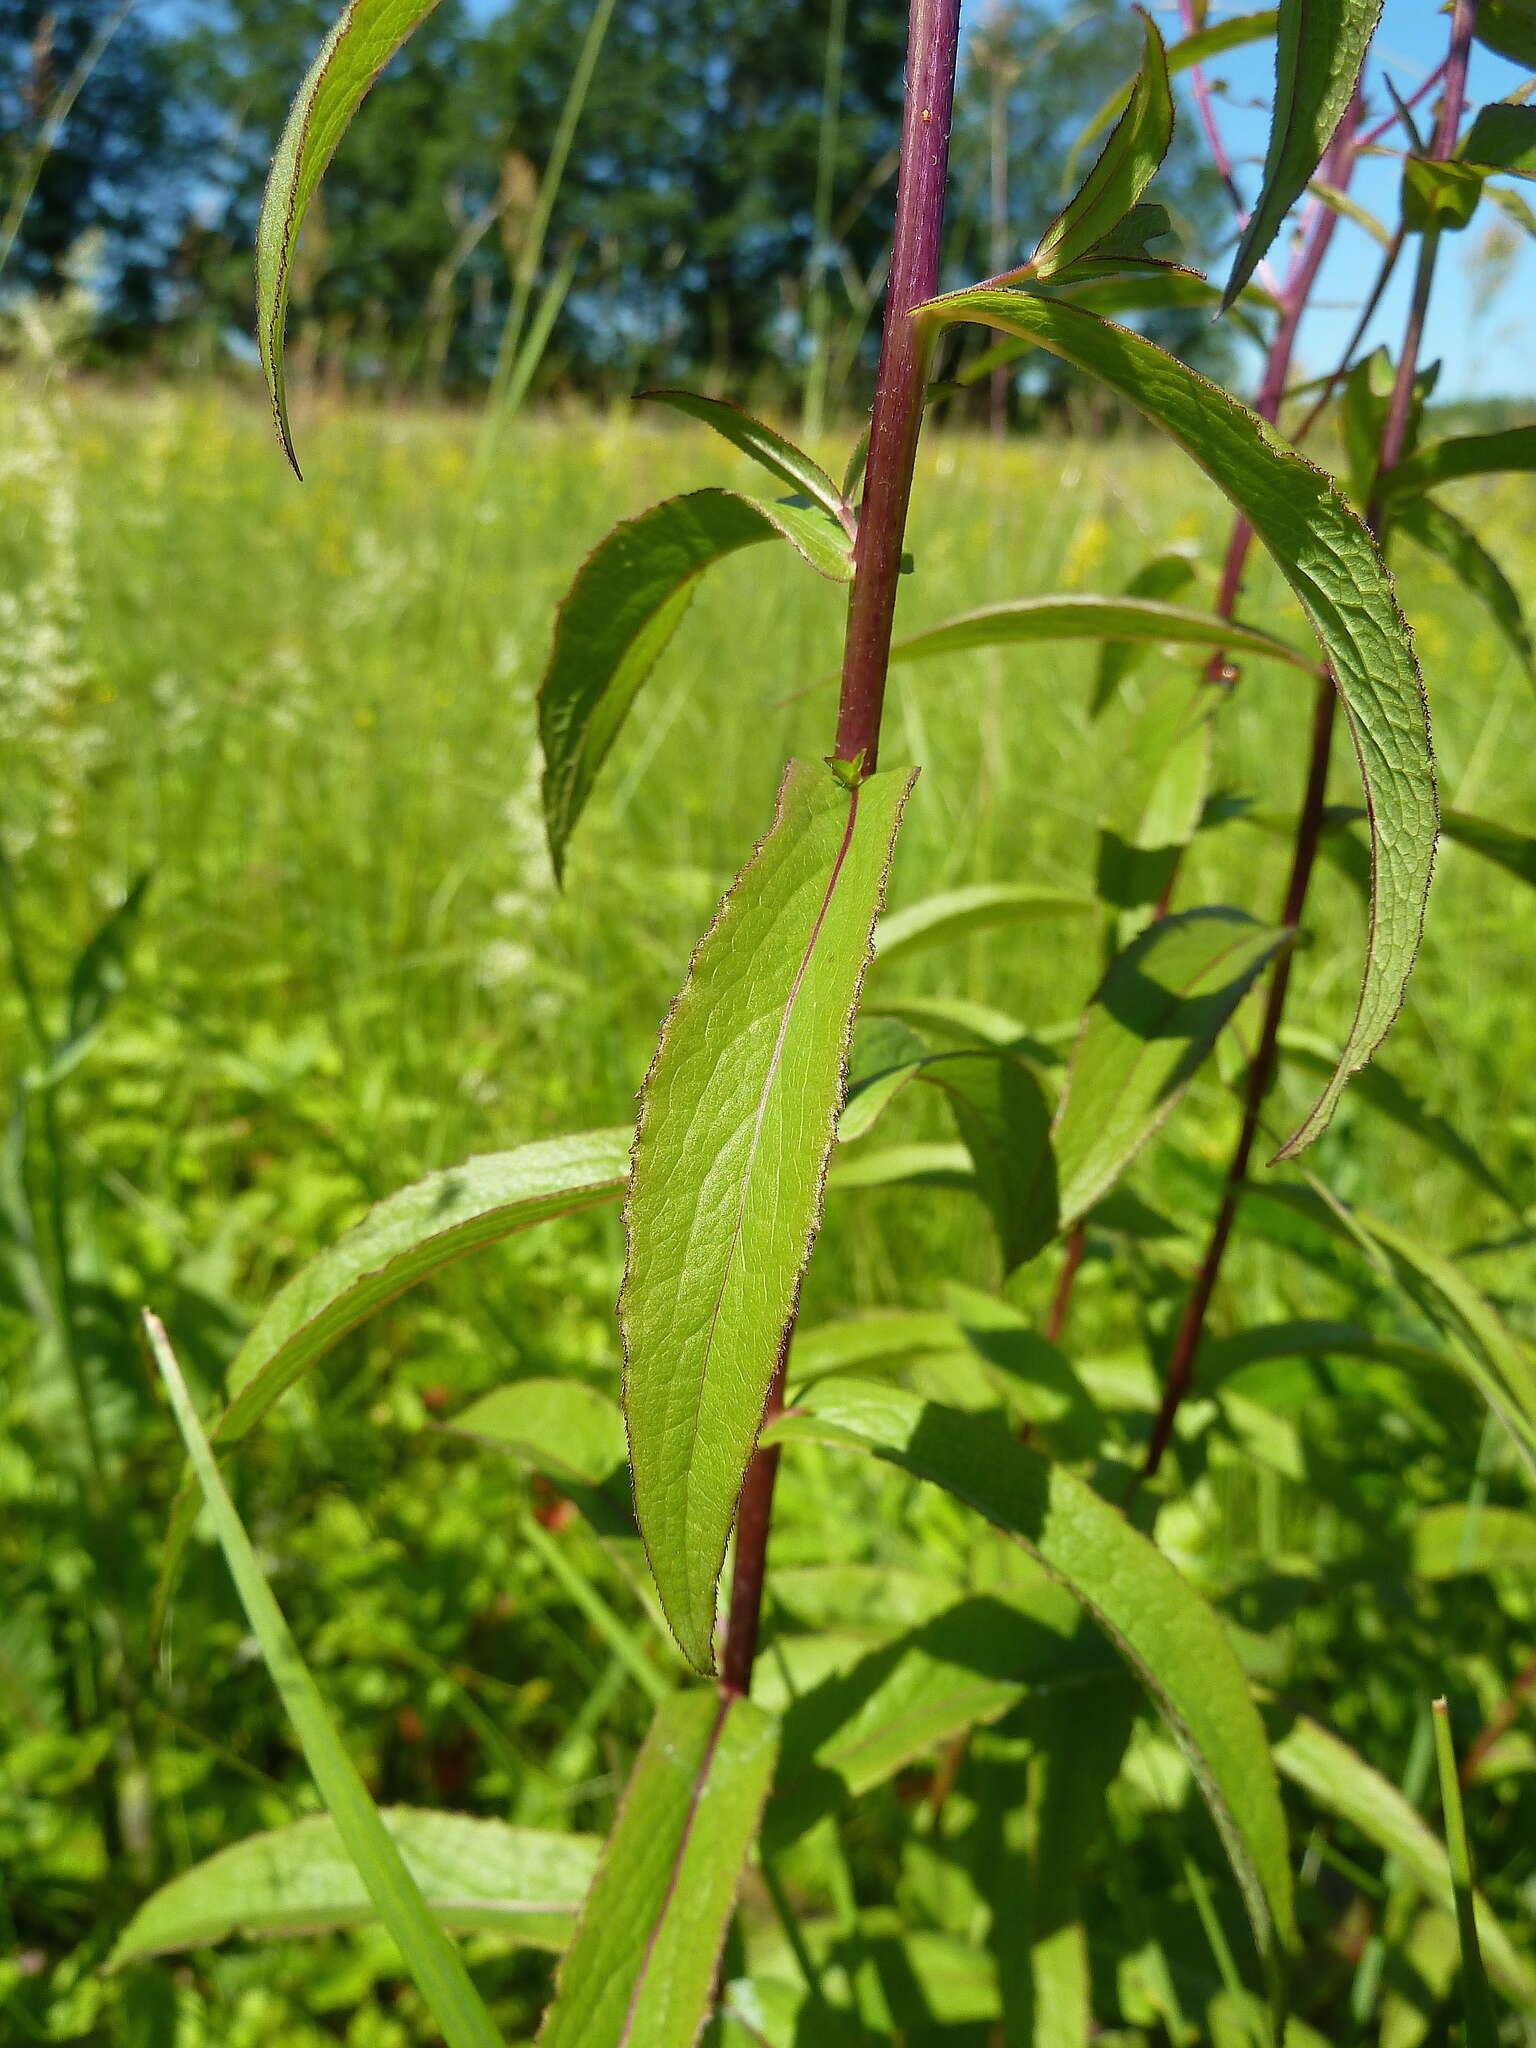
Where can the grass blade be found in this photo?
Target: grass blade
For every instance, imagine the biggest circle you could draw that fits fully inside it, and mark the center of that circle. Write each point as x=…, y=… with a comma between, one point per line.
x=1482, y=2029
x=434, y=1963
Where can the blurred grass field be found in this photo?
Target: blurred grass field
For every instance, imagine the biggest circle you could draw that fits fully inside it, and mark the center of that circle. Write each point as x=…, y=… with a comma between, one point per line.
x=309, y=712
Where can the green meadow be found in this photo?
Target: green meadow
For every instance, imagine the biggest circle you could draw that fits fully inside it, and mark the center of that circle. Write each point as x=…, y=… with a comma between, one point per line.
x=306, y=713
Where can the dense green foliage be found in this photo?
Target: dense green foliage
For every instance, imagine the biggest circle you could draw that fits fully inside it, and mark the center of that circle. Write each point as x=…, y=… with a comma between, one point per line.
x=350, y=967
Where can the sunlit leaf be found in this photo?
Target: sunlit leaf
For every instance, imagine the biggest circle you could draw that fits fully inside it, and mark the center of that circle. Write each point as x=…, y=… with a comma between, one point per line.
x=1439, y=195
x=737, y=1121
x=407, y=1238
x=1123, y=171
x=1095, y=618
x=1452, y=1541
x=361, y=43
x=1440, y=462
x=1156, y=1619
x=1513, y=851
x=1319, y=54
x=1213, y=40
x=780, y=457
x=1155, y=1017
x=1502, y=138
x=958, y=913
x=478, y=1876
x=624, y=606
x=641, y=1970
x=1333, y=566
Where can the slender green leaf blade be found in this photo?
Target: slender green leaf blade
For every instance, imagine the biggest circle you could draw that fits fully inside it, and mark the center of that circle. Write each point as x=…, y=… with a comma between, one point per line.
x=1482, y=2027
x=1320, y=52
x=1129, y=161
x=478, y=1876
x=364, y=38
x=1333, y=566
x=1095, y=618
x=737, y=1121
x=404, y=1240
x=1156, y=1015
x=1214, y=40
x=1157, y=1620
x=1514, y=851
x=623, y=608
x=957, y=913
x=1462, y=455
x=1340, y=1781
x=431, y=1958
x=781, y=458
x=1442, y=533
x=641, y=1971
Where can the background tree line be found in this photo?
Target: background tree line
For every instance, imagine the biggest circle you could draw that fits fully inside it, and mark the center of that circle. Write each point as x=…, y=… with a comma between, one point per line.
x=717, y=220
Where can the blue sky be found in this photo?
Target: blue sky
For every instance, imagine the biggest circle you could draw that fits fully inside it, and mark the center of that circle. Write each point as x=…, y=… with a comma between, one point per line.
x=1489, y=350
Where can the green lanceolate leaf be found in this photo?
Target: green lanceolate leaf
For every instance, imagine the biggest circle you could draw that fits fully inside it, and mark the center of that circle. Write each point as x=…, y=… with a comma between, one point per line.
x=1441, y=462
x=1095, y=618
x=1340, y=1781
x=1333, y=566
x=958, y=913
x=1212, y=41
x=623, y=608
x=1156, y=1619
x=1156, y=1015
x=1004, y=1121
x=1319, y=54
x=403, y=1241
x=431, y=1958
x=1442, y=534
x=1122, y=173
x=478, y=1876
x=737, y=1121
x=641, y=1971
x=365, y=37
x=781, y=458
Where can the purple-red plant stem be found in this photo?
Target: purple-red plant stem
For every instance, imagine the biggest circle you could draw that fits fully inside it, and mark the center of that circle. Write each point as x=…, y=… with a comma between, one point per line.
x=896, y=421
x=1179, y=1373
x=933, y=41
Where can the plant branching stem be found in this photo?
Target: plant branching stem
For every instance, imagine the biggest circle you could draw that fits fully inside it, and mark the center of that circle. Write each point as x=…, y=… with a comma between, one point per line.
x=933, y=40
x=1179, y=1372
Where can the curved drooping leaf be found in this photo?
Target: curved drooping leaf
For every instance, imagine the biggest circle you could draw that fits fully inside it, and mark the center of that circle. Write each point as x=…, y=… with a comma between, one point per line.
x=1123, y=171
x=1320, y=52
x=1004, y=1121
x=1214, y=40
x=781, y=458
x=404, y=1240
x=1463, y=455
x=1156, y=1619
x=435, y=1964
x=624, y=606
x=957, y=913
x=1337, y=574
x=641, y=1970
x=478, y=1876
x=1442, y=533
x=1451, y=1541
x=919, y=1165
x=1340, y=1781
x=737, y=1121
x=364, y=38
x=1156, y=1015
x=959, y=1018
x=1095, y=618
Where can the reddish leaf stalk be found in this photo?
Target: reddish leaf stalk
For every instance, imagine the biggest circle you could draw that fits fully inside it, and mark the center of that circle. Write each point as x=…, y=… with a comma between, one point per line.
x=1179, y=1372
x=933, y=40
